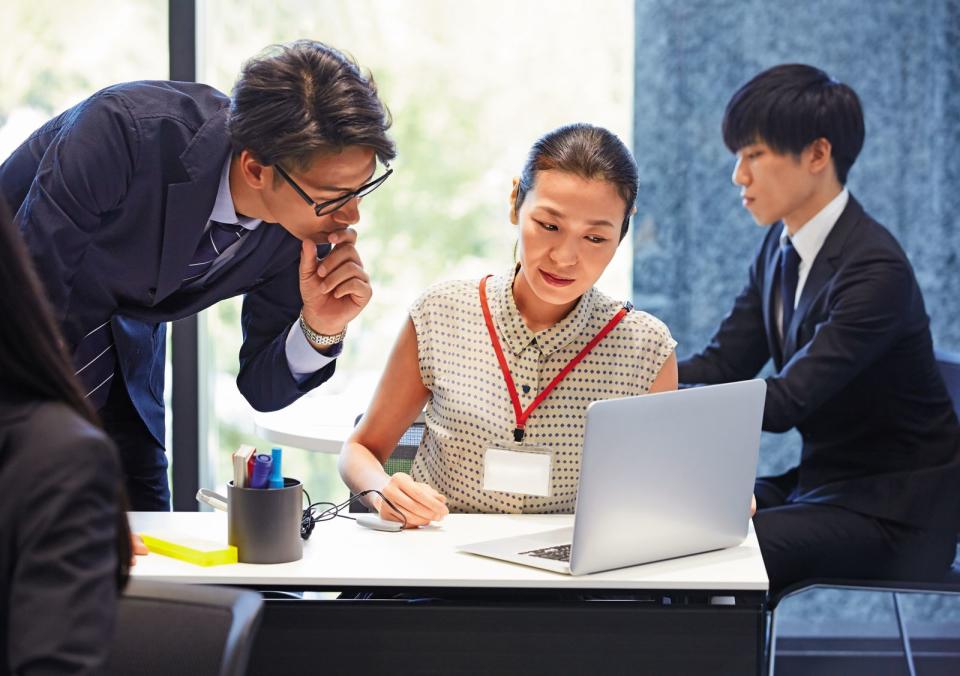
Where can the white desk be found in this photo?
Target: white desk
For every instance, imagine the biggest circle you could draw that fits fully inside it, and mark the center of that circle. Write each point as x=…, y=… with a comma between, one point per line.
x=460, y=613
x=341, y=554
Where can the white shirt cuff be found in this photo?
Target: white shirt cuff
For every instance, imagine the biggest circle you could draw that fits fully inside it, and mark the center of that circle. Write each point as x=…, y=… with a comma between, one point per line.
x=302, y=359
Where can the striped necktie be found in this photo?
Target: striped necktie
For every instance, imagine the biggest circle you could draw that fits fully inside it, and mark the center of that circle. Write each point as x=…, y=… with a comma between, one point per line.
x=95, y=358
x=214, y=242
x=96, y=362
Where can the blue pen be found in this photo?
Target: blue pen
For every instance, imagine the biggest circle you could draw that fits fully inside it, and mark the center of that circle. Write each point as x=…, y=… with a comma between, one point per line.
x=260, y=478
x=276, y=472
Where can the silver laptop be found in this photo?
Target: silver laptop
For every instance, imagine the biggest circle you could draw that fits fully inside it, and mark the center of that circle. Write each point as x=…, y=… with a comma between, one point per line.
x=662, y=475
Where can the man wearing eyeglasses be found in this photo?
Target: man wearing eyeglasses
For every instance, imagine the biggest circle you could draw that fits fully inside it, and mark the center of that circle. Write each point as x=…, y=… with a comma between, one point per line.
x=150, y=201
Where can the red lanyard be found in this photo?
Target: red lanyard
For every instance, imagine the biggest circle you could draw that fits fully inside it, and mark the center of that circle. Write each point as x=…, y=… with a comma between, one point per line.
x=522, y=415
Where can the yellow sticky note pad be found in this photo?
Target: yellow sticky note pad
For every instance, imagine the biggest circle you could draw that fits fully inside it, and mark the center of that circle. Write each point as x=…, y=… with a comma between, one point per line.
x=190, y=549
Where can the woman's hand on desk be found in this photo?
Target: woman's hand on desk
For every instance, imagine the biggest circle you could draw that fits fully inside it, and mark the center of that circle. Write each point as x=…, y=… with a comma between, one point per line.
x=137, y=548
x=419, y=502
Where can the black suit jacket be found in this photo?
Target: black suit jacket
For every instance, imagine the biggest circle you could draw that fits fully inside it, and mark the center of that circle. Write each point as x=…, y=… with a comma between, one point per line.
x=856, y=376
x=112, y=197
x=59, y=478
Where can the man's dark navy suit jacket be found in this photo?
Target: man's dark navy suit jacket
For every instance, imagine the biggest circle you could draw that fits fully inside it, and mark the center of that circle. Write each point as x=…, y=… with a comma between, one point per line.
x=856, y=376
x=112, y=197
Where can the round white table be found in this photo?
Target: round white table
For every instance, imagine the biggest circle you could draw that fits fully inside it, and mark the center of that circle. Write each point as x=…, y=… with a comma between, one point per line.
x=315, y=421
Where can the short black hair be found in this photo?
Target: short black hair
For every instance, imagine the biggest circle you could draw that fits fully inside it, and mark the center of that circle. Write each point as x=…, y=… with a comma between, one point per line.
x=590, y=152
x=790, y=106
x=296, y=100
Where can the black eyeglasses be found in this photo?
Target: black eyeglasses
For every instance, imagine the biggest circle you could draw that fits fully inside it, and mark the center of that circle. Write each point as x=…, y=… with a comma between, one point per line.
x=329, y=206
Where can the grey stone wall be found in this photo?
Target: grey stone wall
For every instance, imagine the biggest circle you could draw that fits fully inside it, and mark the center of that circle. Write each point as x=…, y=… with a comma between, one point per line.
x=693, y=240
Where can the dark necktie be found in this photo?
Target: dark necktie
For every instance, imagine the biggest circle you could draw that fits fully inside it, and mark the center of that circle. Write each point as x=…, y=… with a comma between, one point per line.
x=789, y=273
x=214, y=242
x=96, y=362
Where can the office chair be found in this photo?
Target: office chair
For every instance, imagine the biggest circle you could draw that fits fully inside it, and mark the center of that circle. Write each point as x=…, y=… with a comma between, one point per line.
x=401, y=460
x=164, y=628
x=949, y=364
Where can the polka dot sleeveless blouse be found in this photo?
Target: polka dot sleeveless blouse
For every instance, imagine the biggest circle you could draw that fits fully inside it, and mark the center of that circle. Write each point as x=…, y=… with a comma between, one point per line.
x=470, y=410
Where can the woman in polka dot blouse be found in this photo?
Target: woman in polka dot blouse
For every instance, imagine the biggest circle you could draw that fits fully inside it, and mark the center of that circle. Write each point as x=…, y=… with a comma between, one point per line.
x=477, y=356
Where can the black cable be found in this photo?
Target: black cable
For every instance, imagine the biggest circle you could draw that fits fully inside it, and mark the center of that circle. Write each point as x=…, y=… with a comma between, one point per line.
x=311, y=517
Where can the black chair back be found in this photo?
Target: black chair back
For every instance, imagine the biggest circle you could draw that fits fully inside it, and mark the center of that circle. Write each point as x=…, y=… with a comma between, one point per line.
x=164, y=628
x=949, y=363
x=401, y=460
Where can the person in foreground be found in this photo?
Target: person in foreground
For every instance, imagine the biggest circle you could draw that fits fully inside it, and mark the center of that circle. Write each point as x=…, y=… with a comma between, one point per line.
x=151, y=201
x=64, y=538
x=572, y=205
x=832, y=299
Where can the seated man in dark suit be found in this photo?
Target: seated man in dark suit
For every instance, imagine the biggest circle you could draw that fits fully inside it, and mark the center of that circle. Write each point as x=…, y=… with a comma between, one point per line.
x=150, y=201
x=832, y=299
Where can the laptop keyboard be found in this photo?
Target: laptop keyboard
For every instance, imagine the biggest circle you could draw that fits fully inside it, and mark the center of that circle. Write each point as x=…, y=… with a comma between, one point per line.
x=557, y=553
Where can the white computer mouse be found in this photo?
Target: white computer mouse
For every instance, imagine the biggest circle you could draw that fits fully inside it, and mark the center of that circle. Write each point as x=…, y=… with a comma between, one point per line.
x=374, y=522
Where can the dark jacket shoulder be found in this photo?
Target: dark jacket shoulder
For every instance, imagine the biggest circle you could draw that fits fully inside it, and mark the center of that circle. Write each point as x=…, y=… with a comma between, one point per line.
x=190, y=103
x=36, y=437
x=59, y=479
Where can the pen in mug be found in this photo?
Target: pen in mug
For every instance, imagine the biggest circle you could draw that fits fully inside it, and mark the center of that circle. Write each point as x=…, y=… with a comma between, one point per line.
x=276, y=471
x=261, y=471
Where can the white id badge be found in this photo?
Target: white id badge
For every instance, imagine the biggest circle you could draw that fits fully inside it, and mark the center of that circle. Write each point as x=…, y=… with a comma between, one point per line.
x=518, y=470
